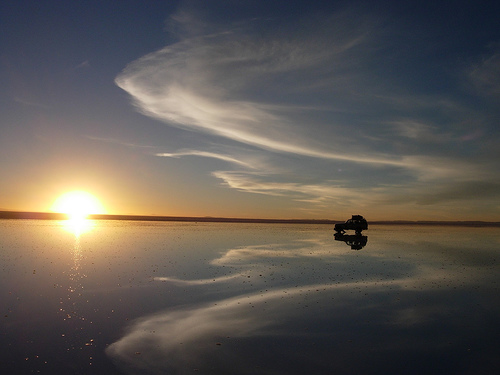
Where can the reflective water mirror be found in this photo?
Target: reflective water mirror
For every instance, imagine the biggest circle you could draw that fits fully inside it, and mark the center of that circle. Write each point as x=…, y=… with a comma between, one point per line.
x=173, y=298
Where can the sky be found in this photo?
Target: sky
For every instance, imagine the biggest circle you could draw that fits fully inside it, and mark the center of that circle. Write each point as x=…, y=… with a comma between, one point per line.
x=255, y=109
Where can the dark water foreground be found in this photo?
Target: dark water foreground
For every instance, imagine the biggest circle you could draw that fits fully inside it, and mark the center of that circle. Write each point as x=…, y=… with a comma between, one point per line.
x=124, y=297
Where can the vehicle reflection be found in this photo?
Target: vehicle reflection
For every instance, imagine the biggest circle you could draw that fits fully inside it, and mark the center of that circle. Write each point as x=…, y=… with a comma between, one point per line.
x=355, y=241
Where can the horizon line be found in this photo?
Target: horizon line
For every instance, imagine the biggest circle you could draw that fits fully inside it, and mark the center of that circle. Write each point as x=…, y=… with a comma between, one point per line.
x=7, y=214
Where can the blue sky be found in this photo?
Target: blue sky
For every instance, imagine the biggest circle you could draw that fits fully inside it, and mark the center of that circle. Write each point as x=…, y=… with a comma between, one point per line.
x=253, y=109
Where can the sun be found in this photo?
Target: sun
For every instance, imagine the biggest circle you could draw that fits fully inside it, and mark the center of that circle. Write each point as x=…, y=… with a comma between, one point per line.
x=78, y=205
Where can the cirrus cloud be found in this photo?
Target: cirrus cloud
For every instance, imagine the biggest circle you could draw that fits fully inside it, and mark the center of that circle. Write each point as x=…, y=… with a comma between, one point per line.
x=319, y=99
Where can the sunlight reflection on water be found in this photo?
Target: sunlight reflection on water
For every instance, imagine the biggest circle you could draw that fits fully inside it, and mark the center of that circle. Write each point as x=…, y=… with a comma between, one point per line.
x=75, y=334
x=78, y=226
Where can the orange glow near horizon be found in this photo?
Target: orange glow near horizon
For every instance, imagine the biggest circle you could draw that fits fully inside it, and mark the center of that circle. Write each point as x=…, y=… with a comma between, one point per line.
x=78, y=205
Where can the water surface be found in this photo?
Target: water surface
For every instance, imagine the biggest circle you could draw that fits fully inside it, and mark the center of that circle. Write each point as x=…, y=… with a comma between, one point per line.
x=124, y=297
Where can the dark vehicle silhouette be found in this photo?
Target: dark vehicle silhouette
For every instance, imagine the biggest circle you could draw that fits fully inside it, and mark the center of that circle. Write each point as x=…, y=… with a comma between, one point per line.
x=355, y=241
x=356, y=223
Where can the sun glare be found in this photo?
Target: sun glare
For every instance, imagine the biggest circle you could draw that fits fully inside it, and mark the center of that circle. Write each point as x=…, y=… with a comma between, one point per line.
x=77, y=205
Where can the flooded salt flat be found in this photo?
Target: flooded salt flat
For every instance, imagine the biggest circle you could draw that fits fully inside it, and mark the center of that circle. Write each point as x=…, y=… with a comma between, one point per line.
x=121, y=297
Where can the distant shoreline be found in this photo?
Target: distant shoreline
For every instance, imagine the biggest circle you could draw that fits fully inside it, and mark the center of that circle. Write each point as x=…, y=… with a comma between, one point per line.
x=207, y=219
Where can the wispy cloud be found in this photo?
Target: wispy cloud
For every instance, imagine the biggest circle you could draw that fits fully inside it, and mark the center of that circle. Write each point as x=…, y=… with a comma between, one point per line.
x=203, y=83
x=485, y=75
x=83, y=65
x=258, y=184
x=118, y=142
x=316, y=98
x=206, y=154
x=417, y=130
x=30, y=103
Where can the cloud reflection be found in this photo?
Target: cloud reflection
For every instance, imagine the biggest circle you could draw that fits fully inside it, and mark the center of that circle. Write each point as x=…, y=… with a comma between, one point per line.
x=172, y=340
x=324, y=308
x=316, y=327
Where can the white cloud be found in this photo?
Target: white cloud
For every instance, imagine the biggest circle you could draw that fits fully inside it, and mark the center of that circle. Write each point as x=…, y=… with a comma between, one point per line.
x=254, y=183
x=206, y=154
x=200, y=84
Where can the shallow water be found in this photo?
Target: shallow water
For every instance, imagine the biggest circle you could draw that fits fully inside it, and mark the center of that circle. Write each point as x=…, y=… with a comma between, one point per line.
x=176, y=298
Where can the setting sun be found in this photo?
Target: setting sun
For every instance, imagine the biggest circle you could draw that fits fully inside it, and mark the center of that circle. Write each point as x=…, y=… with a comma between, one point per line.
x=78, y=204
